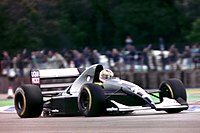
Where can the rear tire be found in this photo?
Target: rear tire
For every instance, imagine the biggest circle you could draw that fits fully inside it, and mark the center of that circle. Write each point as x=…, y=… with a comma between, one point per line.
x=28, y=101
x=174, y=89
x=91, y=100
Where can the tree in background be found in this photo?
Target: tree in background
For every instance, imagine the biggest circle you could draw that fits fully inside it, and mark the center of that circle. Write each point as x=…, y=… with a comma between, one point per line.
x=192, y=11
x=53, y=24
x=194, y=35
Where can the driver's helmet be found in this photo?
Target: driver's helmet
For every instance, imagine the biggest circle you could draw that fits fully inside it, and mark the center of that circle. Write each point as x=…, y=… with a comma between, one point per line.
x=105, y=75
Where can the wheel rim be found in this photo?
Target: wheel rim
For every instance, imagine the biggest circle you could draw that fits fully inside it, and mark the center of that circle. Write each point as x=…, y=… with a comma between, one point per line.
x=19, y=102
x=166, y=91
x=84, y=100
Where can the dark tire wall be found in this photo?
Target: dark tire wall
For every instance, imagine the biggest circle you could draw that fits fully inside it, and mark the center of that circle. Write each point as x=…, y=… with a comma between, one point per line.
x=28, y=101
x=176, y=86
x=173, y=88
x=93, y=97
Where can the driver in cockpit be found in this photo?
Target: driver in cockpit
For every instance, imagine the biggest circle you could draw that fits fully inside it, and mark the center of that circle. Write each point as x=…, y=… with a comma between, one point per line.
x=105, y=75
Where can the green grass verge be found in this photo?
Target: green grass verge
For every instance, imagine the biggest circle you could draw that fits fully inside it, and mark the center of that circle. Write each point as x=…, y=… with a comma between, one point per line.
x=192, y=95
x=8, y=102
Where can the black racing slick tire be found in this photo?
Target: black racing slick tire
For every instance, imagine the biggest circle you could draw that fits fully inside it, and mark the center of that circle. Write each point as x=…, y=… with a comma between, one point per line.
x=91, y=100
x=28, y=101
x=174, y=89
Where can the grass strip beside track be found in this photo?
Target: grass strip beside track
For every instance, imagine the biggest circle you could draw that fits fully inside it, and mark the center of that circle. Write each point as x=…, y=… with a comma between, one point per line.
x=193, y=95
x=8, y=102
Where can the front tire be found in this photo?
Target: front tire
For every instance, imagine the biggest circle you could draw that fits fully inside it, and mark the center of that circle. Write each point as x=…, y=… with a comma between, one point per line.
x=28, y=101
x=174, y=89
x=91, y=100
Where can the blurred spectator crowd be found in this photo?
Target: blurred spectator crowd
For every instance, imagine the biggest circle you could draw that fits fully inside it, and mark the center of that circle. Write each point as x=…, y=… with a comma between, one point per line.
x=127, y=59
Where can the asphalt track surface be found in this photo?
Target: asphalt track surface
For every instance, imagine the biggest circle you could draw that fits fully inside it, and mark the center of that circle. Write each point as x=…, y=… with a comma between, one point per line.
x=138, y=122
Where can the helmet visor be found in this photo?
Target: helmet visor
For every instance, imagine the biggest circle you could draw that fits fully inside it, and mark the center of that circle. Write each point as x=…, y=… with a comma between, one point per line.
x=106, y=77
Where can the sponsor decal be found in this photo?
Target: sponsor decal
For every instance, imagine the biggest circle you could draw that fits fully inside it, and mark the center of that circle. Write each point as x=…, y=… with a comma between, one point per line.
x=35, y=77
x=35, y=80
x=35, y=74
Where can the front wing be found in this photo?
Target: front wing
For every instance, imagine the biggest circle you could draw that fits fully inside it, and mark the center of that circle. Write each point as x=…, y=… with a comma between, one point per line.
x=167, y=103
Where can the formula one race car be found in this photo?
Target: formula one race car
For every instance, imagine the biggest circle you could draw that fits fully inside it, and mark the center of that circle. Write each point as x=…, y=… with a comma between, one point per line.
x=87, y=95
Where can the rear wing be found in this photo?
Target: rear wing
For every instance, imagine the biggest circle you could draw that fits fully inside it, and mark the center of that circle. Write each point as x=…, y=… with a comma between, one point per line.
x=52, y=80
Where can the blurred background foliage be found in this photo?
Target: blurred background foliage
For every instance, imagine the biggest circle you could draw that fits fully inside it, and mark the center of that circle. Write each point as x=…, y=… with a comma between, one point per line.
x=58, y=24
